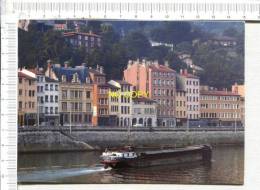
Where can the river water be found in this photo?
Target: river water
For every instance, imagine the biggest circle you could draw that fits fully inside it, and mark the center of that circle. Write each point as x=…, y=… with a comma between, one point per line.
x=227, y=167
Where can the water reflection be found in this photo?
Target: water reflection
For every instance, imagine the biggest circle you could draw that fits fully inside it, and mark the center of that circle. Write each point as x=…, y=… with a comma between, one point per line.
x=227, y=167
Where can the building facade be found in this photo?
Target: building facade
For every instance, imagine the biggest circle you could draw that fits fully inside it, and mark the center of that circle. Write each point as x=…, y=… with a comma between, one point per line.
x=144, y=112
x=100, y=97
x=120, y=102
x=192, y=88
x=159, y=81
x=80, y=39
x=220, y=108
x=75, y=92
x=181, y=108
x=27, y=98
x=47, y=100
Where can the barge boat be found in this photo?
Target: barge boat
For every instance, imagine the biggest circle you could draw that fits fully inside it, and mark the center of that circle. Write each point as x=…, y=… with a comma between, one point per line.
x=127, y=157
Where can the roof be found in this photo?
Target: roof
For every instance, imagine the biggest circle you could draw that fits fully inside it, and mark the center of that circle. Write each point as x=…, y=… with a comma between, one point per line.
x=188, y=75
x=68, y=34
x=122, y=82
x=69, y=72
x=48, y=79
x=218, y=93
x=95, y=72
x=23, y=75
x=161, y=68
x=112, y=86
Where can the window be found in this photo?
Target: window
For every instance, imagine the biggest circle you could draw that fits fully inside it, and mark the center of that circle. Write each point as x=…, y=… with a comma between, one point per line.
x=51, y=110
x=51, y=98
x=64, y=106
x=56, y=110
x=88, y=94
x=20, y=105
x=56, y=87
x=75, y=78
x=56, y=98
x=30, y=82
x=46, y=98
x=20, y=92
x=46, y=110
x=63, y=78
x=51, y=87
x=64, y=94
x=20, y=80
x=46, y=87
x=88, y=106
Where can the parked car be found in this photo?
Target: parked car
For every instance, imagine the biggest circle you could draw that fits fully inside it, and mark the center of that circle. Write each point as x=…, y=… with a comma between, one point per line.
x=138, y=125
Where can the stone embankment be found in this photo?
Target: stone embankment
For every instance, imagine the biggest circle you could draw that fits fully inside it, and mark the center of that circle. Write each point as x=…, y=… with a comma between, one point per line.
x=41, y=141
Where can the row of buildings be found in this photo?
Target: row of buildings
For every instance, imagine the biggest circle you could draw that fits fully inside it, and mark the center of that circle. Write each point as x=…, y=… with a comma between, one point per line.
x=150, y=94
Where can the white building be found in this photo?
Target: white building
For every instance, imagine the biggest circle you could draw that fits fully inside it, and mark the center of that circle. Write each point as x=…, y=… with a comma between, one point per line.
x=47, y=100
x=144, y=112
x=192, y=87
x=120, y=102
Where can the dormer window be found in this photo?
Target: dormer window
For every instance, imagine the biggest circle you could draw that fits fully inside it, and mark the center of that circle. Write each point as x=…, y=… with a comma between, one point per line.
x=87, y=80
x=63, y=78
x=75, y=78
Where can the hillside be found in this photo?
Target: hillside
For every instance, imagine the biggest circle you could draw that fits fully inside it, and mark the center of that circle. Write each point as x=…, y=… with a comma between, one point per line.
x=122, y=41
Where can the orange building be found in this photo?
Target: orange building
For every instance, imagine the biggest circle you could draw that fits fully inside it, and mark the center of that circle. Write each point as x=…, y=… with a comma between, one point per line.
x=160, y=83
x=220, y=108
x=100, y=97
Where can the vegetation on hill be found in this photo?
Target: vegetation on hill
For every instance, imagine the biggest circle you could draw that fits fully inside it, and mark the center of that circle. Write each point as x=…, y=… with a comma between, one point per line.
x=120, y=42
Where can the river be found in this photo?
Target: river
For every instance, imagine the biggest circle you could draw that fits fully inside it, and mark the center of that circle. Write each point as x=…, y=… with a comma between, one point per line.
x=227, y=167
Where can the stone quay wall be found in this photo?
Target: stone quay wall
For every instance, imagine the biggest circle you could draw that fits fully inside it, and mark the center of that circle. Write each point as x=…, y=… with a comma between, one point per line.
x=48, y=141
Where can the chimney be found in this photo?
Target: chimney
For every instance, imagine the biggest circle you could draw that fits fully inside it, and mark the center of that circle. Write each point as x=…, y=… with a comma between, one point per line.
x=97, y=68
x=156, y=63
x=166, y=63
x=66, y=64
x=185, y=71
x=49, y=63
x=101, y=69
x=181, y=71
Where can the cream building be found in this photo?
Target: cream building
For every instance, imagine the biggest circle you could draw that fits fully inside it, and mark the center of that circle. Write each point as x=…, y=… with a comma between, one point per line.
x=144, y=112
x=192, y=87
x=121, y=104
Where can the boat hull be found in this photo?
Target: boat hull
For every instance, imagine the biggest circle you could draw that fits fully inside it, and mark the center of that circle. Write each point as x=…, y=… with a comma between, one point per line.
x=156, y=158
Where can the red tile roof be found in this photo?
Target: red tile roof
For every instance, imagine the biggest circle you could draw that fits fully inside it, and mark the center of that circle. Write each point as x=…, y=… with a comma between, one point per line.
x=188, y=75
x=218, y=93
x=161, y=68
x=22, y=75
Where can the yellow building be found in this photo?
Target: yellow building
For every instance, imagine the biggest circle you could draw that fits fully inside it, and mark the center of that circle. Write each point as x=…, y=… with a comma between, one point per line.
x=75, y=94
x=27, y=98
x=181, y=108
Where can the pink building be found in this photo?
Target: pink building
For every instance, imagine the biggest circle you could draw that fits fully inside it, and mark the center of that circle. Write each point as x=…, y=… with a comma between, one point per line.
x=160, y=83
